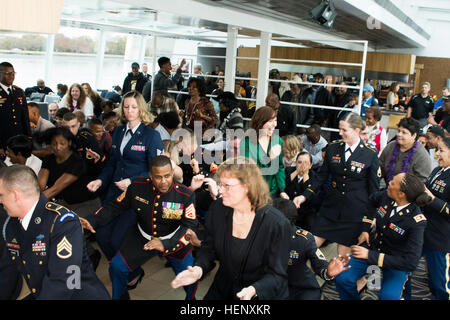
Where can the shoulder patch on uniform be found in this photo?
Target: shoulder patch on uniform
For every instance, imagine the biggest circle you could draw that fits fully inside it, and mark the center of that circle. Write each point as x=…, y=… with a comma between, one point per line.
x=69, y=214
x=320, y=254
x=370, y=148
x=59, y=209
x=302, y=233
x=420, y=217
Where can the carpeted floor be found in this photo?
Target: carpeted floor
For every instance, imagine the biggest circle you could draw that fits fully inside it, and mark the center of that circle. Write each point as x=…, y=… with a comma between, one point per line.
x=419, y=287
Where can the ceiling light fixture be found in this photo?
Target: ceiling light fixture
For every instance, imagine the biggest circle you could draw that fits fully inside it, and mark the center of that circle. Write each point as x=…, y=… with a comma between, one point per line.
x=324, y=13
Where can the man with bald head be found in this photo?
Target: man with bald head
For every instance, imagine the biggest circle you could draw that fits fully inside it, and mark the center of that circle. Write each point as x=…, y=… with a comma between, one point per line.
x=286, y=119
x=39, y=88
x=45, y=241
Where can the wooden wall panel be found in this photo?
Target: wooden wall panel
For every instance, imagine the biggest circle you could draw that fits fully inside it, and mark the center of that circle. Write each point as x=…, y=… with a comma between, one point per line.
x=376, y=61
x=31, y=16
x=435, y=71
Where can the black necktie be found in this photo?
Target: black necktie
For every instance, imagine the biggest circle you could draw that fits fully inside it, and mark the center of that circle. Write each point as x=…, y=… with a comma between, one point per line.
x=9, y=91
x=129, y=131
x=348, y=150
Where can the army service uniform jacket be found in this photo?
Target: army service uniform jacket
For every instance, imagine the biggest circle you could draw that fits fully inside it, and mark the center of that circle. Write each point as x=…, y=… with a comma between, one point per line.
x=437, y=232
x=166, y=216
x=303, y=248
x=14, y=118
x=352, y=181
x=398, y=240
x=51, y=254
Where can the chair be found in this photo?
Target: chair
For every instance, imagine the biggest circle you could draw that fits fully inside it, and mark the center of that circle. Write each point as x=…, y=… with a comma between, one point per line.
x=50, y=99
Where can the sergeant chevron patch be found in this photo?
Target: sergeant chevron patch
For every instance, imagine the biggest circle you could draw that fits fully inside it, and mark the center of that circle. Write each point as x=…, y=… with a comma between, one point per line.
x=64, y=245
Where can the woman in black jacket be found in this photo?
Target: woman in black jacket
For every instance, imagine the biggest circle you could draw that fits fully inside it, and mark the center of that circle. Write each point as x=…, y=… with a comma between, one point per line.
x=248, y=236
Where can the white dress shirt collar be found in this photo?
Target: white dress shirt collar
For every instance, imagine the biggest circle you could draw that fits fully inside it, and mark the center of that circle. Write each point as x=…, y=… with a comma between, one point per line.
x=26, y=220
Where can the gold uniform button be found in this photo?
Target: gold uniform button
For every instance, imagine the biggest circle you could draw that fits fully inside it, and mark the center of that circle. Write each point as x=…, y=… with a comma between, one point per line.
x=344, y=177
x=155, y=211
x=154, y=219
x=156, y=204
x=154, y=226
x=343, y=184
x=158, y=196
x=138, y=209
x=14, y=258
x=178, y=245
x=343, y=192
x=176, y=187
x=33, y=290
x=28, y=276
x=40, y=262
x=154, y=233
x=167, y=251
x=24, y=262
x=345, y=169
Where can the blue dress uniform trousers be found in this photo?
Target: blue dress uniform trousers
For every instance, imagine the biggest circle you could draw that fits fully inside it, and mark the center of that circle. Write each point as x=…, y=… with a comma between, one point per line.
x=119, y=272
x=438, y=264
x=391, y=286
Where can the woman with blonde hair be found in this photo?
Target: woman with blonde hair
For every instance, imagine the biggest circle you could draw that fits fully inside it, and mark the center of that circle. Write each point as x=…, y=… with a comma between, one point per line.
x=76, y=99
x=248, y=236
x=355, y=175
x=134, y=144
x=292, y=146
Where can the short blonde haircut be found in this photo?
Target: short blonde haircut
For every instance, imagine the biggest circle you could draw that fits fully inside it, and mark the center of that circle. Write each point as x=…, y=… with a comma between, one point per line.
x=248, y=173
x=171, y=148
x=144, y=112
x=292, y=146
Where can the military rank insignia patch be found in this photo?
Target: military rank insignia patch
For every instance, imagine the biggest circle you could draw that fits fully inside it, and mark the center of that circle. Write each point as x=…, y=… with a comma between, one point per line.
x=121, y=197
x=190, y=212
x=64, y=249
x=213, y=167
x=320, y=254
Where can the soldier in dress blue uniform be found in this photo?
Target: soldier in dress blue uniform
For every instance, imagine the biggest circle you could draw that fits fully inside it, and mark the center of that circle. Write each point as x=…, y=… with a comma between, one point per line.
x=14, y=117
x=436, y=246
x=45, y=241
x=355, y=174
x=396, y=244
x=301, y=280
x=165, y=211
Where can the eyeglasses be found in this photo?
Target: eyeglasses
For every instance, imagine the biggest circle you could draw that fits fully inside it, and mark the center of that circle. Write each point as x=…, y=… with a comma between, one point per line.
x=8, y=73
x=226, y=187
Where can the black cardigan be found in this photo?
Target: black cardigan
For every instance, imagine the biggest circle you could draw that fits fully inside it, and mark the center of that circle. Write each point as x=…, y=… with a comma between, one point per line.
x=266, y=256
